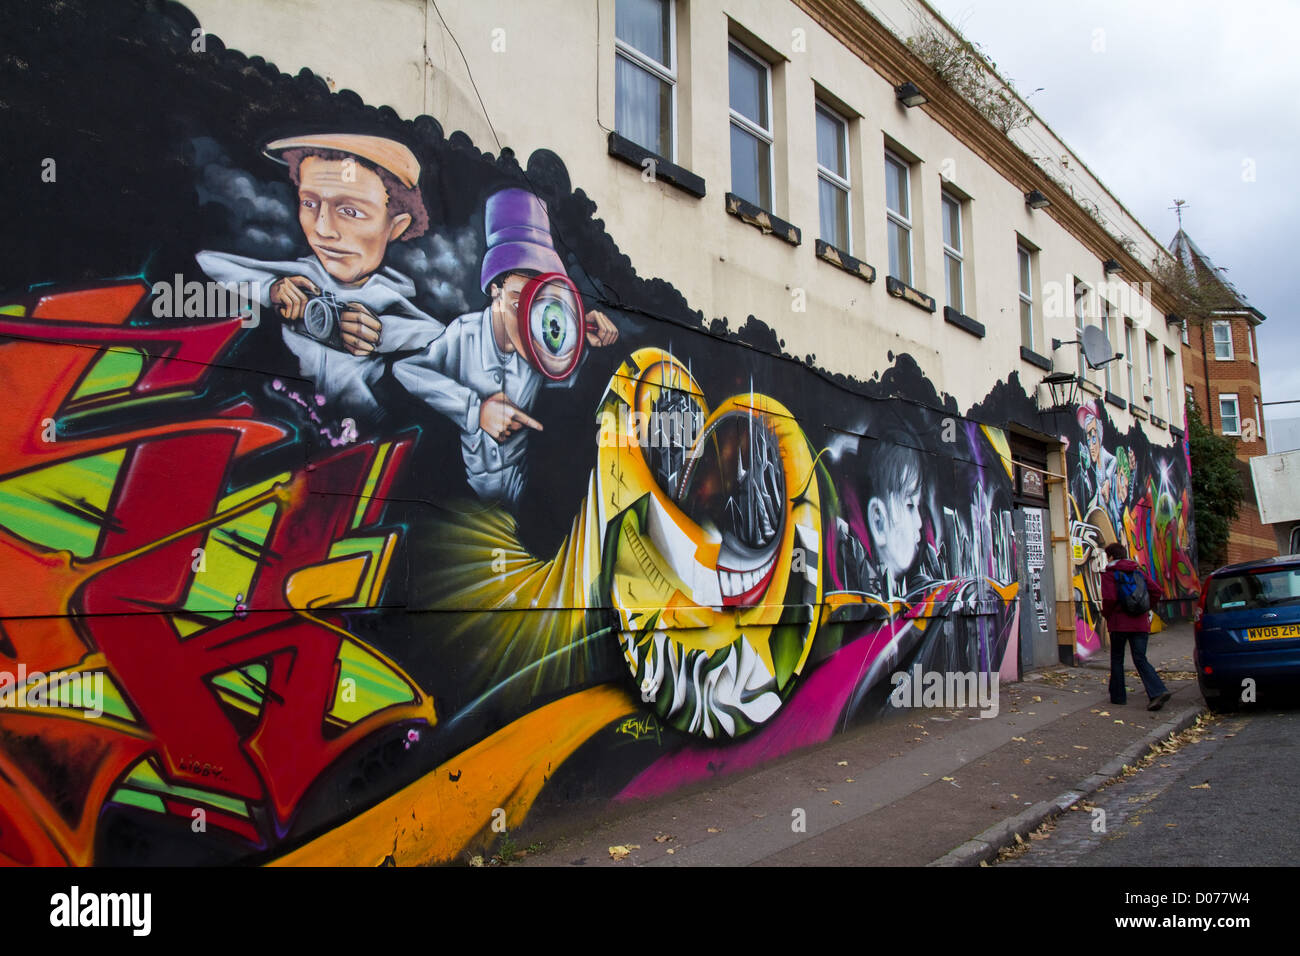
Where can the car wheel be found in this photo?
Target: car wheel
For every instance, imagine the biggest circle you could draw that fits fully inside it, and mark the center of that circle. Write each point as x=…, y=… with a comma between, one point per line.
x=1223, y=704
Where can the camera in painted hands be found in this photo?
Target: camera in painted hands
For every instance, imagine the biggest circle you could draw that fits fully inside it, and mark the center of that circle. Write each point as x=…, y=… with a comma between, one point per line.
x=321, y=319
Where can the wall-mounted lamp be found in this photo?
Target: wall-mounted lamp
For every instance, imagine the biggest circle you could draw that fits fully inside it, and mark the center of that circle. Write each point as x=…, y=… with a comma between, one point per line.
x=1064, y=389
x=1037, y=199
x=1112, y=266
x=909, y=94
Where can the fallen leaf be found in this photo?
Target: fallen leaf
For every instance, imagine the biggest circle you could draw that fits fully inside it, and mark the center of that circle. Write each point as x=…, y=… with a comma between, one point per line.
x=1080, y=747
x=713, y=830
x=1020, y=739
x=1200, y=786
x=1119, y=721
x=476, y=861
x=836, y=803
x=1037, y=699
x=842, y=763
x=821, y=789
x=1015, y=796
x=663, y=838
x=848, y=779
x=1171, y=824
x=1103, y=713
x=950, y=778
x=670, y=851
x=620, y=852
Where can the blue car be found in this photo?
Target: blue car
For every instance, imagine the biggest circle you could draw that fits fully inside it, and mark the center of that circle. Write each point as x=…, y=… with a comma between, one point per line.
x=1248, y=631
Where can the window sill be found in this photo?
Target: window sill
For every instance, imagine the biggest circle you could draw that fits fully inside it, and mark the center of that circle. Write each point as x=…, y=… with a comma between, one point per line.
x=901, y=290
x=1091, y=387
x=1115, y=400
x=1138, y=412
x=1177, y=432
x=963, y=322
x=762, y=220
x=1033, y=358
x=828, y=253
x=1158, y=421
x=622, y=148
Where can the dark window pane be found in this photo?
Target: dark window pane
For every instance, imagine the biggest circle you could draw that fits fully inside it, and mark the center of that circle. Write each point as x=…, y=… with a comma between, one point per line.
x=748, y=88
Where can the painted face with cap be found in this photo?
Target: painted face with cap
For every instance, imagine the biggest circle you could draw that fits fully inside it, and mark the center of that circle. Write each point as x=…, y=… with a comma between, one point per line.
x=343, y=211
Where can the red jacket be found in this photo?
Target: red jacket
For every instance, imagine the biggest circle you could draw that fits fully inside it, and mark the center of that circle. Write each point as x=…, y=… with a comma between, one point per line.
x=1116, y=619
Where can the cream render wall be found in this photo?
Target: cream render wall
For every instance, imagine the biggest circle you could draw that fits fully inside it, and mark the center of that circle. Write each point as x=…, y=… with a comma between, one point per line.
x=545, y=74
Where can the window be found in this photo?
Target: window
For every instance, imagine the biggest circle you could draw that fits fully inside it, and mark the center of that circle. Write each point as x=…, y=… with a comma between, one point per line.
x=1026, y=258
x=898, y=209
x=1129, y=348
x=1186, y=340
x=1169, y=384
x=1105, y=327
x=645, y=74
x=833, y=177
x=1189, y=396
x=1229, y=415
x=1080, y=320
x=1250, y=342
x=1149, y=393
x=1259, y=417
x=751, y=127
x=1223, y=341
x=953, y=245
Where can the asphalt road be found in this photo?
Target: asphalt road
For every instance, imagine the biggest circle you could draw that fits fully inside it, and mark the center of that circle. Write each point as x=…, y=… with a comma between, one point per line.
x=1230, y=799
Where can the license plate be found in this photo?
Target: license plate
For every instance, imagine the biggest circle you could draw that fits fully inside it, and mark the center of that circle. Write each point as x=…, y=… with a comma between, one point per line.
x=1273, y=633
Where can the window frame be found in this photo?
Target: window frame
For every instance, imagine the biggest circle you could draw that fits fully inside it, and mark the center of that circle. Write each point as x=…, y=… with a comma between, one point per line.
x=667, y=75
x=1082, y=291
x=1129, y=330
x=1026, y=278
x=903, y=222
x=1250, y=343
x=1221, y=323
x=842, y=183
x=1105, y=327
x=747, y=125
x=1169, y=384
x=1150, y=380
x=957, y=254
x=1236, y=415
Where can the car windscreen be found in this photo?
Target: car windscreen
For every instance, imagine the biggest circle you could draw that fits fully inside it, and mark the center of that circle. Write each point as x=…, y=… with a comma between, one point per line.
x=1246, y=591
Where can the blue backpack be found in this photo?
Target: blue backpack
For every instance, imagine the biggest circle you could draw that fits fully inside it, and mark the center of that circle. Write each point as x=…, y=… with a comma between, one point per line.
x=1131, y=591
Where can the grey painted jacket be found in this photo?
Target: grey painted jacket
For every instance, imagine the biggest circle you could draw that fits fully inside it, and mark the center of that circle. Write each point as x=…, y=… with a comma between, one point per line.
x=454, y=375
x=346, y=380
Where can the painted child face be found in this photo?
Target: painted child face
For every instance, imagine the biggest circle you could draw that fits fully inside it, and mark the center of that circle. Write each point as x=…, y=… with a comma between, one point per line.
x=343, y=211
x=896, y=528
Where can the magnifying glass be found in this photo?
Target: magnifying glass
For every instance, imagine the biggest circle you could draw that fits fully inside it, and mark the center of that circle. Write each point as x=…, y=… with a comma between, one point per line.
x=551, y=310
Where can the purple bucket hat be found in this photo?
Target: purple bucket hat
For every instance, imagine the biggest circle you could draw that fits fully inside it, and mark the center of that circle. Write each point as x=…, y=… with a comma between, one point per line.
x=518, y=236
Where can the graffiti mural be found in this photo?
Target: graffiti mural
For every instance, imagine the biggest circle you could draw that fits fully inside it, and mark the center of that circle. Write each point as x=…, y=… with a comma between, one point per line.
x=363, y=490
x=1124, y=489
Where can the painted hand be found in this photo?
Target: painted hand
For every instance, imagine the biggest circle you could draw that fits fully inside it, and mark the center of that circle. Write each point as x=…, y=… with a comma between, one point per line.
x=360, y=328
x=289, y=295
x=600, y=330
x=500, y=419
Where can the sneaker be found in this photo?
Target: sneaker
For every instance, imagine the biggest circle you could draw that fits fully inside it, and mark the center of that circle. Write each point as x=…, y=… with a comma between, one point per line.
x=1159, y=702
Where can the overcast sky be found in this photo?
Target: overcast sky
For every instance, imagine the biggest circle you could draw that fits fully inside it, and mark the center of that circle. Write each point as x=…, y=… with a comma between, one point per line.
x=1184, y=100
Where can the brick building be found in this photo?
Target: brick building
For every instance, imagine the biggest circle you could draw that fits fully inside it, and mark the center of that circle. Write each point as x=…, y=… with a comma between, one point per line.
x=1221, y=375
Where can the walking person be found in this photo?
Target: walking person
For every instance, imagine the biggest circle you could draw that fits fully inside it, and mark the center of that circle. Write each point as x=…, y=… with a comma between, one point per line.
x=1128, y=593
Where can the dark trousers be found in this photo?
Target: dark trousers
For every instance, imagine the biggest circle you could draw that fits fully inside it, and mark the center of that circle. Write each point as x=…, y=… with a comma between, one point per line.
x=1151, y=681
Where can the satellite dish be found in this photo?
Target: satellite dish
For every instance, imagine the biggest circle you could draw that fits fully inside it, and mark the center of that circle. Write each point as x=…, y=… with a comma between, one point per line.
x=1096, y=347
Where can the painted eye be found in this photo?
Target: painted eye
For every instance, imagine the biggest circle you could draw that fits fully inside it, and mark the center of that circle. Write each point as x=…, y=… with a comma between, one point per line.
x=350, y=212
x=553, y=325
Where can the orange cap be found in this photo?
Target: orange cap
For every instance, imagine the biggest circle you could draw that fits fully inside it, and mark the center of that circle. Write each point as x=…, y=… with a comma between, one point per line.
x=386, y=153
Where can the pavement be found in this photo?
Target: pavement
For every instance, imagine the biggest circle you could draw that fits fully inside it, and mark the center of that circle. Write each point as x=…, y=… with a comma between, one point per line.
x=919, y=787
